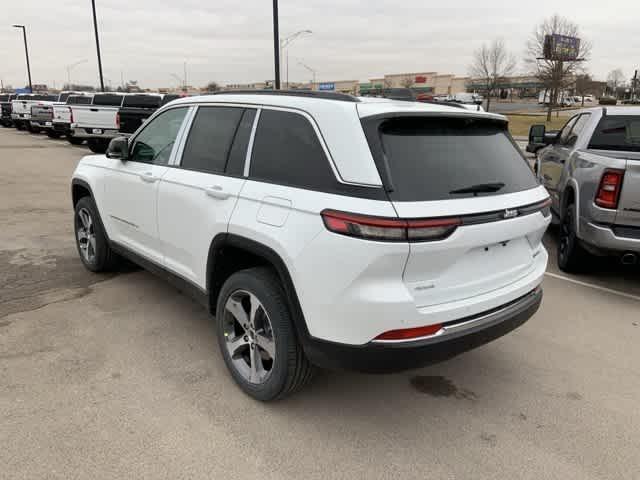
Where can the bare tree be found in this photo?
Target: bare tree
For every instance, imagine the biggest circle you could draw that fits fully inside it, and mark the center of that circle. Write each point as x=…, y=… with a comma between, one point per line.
x=213, y=87
x=614, y=79
x=490, y=65
x=555, y=74
x=407, y=82
x=583, y=85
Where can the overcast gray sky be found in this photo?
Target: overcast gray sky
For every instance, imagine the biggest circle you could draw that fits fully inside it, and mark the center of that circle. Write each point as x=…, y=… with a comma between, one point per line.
x=231, y=41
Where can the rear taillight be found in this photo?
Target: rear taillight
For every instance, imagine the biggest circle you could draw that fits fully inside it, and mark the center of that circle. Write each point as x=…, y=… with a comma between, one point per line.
x=70, y=115
x=609, y=189
x=409, y=333
x=118, y=120
x=389, y=229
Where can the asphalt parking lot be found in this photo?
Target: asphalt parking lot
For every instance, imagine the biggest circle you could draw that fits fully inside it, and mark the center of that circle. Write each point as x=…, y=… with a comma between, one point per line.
x=119, y=376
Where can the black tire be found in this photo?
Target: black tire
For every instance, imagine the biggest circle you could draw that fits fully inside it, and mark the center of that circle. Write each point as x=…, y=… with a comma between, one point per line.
x=97, y=145
x=572, y=257
x=33, y=129
x=290, y=370
x=52, y=133
x=74, y=140
x=19, y=126
x=103, y=259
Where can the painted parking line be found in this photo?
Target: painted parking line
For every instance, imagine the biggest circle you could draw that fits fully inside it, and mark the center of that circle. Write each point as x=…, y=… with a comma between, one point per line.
x=595, y=287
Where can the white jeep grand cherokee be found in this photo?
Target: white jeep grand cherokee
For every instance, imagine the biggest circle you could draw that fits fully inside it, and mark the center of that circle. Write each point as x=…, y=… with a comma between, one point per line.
x=322, y=229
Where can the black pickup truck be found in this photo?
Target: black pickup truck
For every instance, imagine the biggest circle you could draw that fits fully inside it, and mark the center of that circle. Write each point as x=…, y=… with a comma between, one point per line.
x=137, y=108
x=5, y=109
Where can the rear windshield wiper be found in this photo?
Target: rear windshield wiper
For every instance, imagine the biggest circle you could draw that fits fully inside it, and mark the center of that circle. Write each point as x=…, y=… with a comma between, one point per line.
x=480, y=188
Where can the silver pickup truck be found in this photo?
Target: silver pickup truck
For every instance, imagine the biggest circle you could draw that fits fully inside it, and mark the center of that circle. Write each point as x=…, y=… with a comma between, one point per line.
x=591, y=169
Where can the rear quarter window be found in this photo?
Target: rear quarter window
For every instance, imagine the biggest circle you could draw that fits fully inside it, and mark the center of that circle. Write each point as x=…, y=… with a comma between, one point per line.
x=617, y=132
x=436, y=158
x=79, y=100
x=287, y=151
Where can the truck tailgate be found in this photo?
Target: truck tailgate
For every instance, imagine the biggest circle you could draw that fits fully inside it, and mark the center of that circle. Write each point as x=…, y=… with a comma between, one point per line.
x=629, y=204
x=92, y=116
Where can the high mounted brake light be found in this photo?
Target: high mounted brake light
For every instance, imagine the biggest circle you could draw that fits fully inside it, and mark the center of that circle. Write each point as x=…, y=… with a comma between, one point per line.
x=389, y=229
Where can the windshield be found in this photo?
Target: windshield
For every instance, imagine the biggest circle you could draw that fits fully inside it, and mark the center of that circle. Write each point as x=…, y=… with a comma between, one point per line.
x=617, y=132
x=434, y=158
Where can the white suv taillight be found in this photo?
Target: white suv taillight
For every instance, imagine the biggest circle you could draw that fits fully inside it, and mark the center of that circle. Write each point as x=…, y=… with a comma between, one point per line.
x=70, y=116
x=118, y=120
x=389, y=229
x=609, y=190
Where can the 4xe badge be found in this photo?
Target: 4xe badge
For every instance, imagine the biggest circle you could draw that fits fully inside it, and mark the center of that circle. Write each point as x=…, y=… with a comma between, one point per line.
x=510, y=213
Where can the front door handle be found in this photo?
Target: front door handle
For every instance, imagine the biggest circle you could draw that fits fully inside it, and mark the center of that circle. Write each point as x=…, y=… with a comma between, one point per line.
x=216, y=191
x=148, y=177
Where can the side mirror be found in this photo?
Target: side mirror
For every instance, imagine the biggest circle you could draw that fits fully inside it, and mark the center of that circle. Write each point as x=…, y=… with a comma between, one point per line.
x=536, y=134
x=119, y=148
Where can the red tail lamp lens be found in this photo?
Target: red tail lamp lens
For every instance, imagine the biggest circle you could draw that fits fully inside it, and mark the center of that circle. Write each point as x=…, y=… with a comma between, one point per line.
x=410, y=333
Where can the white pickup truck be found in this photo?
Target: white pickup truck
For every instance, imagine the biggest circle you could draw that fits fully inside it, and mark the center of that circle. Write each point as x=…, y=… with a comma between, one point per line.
x=21, y=109
x=97, y=123
x=61, y=121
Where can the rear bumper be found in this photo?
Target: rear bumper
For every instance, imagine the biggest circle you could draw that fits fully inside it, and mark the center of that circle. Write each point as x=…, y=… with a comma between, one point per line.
x=464, y=335
x=603, y=238
x=41, y=123
x=107, y=134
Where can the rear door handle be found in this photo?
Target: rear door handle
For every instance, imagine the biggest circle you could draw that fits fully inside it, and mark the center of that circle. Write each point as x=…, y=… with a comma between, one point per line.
x=148, y=177
x=216, y=191
x=93, y=109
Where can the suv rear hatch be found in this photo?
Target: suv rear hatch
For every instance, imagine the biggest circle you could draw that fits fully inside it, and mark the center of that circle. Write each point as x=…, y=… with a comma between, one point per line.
x=618, y=136
x=464, y=169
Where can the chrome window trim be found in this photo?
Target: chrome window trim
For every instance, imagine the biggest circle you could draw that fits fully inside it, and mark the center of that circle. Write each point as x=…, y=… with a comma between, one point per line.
x=181, y=139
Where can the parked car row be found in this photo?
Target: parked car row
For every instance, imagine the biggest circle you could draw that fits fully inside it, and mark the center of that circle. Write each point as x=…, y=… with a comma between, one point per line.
x=591, y=168
x=92, y=117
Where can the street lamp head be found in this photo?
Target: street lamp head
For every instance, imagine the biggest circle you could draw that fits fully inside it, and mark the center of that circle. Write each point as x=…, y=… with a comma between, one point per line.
x=18, y=26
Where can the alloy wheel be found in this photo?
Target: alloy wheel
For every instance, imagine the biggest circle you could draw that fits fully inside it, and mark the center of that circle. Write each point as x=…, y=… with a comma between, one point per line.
x=86, y=236
x=249, y=337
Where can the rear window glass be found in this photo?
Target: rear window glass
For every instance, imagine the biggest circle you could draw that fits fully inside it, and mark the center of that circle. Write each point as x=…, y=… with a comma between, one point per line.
x=63, y=97
x=4, y=98
x=79, y=100
x=169, y=98
x=108, y=100
x=142, y=101
x=617, y=132
x=450, y=158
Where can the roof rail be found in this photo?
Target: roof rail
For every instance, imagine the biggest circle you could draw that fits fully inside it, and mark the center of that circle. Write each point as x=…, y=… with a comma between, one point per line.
x=445, y=103
x=291, y=93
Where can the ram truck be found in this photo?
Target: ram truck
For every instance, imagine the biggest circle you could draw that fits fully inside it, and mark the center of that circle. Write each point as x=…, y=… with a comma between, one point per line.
x=591, y=169
x=136, y=109
x=97, y=123
x=62, y=117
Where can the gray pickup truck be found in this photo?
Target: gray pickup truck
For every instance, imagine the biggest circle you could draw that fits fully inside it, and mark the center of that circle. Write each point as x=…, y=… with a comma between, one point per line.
x=591, y=169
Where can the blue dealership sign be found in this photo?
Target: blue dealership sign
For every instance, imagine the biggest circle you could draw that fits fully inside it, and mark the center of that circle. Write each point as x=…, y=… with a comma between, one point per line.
x=327, y=86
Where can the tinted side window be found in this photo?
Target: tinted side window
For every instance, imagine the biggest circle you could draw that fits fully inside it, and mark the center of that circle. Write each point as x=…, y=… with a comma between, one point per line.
x=108, y=99
x=210, y=139
x=155, y=142
x=238, y=153
x=287, y=151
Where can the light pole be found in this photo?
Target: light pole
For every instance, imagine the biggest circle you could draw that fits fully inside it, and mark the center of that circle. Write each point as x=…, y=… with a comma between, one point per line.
x=286, y=42
x=95, y=28
x=26, y=53
x=313, y=72
x=71, y=67
x=276, y=45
